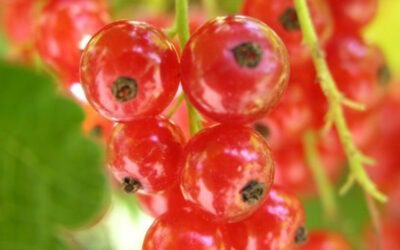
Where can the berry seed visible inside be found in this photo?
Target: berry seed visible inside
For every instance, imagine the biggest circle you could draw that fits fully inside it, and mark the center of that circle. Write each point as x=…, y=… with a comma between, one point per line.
x=248, y=54
x=130, y=185
x=300, y=236
x=289, y=20
x=253, y=192
x=124, y=89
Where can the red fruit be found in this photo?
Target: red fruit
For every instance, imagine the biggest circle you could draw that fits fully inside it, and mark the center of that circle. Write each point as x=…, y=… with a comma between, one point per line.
x=321, y=240
x=277, y=225
x=144, y=154
x=228, y=171
x=281, y=16
x=184, y=229
x=352, y=15
x=19, y=20
x=357, y=68
x=393, y=206
x=130, y=70
x=232, y=78
x=389, y=236
x=289, y=120
x=293, y=172
x=63, y=31
x=158, y=204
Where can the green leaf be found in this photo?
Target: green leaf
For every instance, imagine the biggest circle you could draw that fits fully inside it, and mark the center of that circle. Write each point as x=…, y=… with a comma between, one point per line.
x=51, y=176
x=353, y=215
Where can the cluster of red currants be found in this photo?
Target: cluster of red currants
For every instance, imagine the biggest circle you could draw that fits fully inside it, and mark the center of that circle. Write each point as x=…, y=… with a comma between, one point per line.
x=215, y=191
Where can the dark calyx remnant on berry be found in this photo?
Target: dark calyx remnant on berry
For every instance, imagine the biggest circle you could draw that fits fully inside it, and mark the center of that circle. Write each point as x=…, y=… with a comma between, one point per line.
x=97, y=131
x=124, y=89
x=262, y=129
x=248, y=54
x=289, y=20
x=130, y=185
x=301, y=235
x=253, y=192
x=384, y=74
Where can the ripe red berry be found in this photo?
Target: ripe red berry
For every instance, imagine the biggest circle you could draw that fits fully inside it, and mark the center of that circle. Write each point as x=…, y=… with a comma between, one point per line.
x=389, y=237
x=278, y=224
x=352, y=15
x=321, y=240
x=63, y=31
x=160, y=203
x=144, y=154
x=19, y=21
x=228, y=171
x=357, y=68
x=232, y=78
x=281, y=16
x=183, y=229
x=130, y=70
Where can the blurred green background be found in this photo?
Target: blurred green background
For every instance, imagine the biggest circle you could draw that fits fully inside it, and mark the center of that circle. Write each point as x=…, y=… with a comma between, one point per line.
x=38, y=203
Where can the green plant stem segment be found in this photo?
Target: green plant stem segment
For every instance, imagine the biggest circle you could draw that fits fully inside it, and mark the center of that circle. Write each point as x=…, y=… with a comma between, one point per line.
x=325, y=188
x=335, y=114
x=182, y=28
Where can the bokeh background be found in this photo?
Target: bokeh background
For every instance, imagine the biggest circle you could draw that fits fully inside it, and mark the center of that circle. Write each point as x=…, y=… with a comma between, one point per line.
x=119, y=224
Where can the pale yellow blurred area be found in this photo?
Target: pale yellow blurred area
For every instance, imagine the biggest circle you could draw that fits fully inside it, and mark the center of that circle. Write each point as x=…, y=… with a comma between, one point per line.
x=385, y=31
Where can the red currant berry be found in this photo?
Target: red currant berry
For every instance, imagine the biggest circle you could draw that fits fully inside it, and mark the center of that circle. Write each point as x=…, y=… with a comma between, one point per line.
x=228, y=171
x=61, y=49
x=281, y=16
x=160, y=203
x=321, y=240
x=130, y=70
x=389, y=237
x=352, y=15
x=232, y=78
x=184, y=229
x=19, y=16
x=277, y=224
x=357, y=68
x=144, y=154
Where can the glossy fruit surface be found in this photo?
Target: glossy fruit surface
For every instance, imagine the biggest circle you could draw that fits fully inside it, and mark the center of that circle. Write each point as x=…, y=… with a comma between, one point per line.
x=232, y=78
x=281, y=16
x=144, y=154
x=321, y=240
x=352, y=15
x=160, y=203
x=130, y=70
x=228, y=171
x=357, y=68
x=184, y=229
x=277, y=225
x=60, y=49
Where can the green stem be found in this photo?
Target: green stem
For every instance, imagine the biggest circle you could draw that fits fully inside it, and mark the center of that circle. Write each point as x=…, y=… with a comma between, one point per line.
x=324, y=186
x=375, y=218
x=182, y=28
x=336, y=102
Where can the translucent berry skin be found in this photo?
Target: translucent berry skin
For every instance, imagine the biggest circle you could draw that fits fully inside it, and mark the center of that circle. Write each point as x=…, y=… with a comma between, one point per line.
x=281, y=16
x=60, y=49
x=358, y=68
x=321, y=240
x=231, y=78
x=160, y=203
x=277, y=225
x=130, y=70
x=146, y=151
x=227, y=171
x=352, y=15
x=183, y=229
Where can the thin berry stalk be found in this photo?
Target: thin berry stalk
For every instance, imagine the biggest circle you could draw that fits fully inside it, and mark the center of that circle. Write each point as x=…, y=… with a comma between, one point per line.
x=182, y=28
x=324, y=186
x=336, y=102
